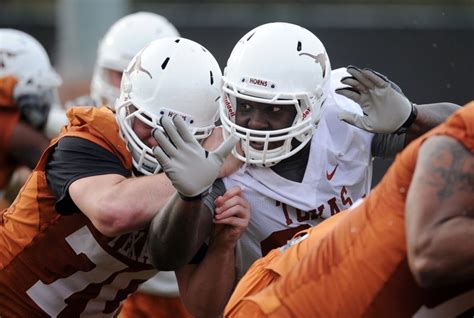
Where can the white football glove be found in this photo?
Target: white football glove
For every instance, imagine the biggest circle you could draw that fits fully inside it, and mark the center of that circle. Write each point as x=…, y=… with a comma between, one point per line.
x=191, y=168
x=385, y=109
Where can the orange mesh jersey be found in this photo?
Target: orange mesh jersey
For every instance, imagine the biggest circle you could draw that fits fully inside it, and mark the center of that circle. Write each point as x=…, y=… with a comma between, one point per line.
x=355, y=264
x=9, y=116
x=60, y=265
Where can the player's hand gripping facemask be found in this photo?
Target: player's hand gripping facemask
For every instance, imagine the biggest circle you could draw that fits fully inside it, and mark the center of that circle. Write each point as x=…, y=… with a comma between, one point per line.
x=190, y=167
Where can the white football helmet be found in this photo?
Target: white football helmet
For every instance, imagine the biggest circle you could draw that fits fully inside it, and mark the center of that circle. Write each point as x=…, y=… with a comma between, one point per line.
x=281, y=64
x=23, y=57
x=120, y=44
x=169, y=76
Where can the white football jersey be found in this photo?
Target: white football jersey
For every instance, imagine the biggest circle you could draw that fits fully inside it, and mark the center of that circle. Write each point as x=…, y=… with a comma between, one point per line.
x=338, y=173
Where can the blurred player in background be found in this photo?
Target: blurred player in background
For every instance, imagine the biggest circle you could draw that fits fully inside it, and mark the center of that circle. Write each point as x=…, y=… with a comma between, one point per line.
x=30, y=113
x=405, y=251
x=119, y=45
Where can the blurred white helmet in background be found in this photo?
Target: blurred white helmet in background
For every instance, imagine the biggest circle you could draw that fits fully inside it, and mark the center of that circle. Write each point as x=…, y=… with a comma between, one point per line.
x=124, y=39
x=24, y=58
x=282, y=64
x=170, y=76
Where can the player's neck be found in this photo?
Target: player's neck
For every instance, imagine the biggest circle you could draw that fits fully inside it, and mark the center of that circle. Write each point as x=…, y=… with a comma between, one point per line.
x=294, y=167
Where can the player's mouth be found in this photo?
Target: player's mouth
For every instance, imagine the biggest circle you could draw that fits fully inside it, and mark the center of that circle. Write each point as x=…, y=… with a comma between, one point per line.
x=256, y=145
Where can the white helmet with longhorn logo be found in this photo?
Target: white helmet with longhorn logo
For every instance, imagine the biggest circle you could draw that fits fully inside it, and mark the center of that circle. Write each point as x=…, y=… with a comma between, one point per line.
x=169, y=76
x=280, y=64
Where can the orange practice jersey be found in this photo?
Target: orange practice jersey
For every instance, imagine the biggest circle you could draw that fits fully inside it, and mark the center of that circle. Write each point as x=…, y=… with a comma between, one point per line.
x=144, y=305
x=355, y=264
x=60, y=265
x=9, y=116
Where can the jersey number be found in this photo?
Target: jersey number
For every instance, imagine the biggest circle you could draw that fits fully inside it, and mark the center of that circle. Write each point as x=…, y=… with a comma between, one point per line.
x=51, y=298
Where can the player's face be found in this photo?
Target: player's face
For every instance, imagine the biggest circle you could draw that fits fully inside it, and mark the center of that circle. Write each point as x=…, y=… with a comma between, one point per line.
x=260, y=116
x=143, y=132
x=114, y=77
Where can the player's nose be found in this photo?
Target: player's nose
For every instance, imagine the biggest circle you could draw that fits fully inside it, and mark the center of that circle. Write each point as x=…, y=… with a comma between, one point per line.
x=258, y=121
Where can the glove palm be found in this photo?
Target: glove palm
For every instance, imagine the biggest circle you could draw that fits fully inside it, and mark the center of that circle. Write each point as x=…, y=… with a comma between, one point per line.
x=191, y=168
x=385, y=109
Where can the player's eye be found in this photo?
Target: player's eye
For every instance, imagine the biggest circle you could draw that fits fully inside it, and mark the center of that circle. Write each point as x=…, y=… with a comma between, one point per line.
x=246, y=106
x=276, y=109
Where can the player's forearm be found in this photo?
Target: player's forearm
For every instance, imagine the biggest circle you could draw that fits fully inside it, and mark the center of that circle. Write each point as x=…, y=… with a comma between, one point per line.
x=132, y=203
x=429, y=116
x=435, y=263
x=177, y=232
x=211, y=283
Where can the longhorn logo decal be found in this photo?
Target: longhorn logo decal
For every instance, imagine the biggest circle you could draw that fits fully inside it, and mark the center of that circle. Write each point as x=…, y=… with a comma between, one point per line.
x=137, y=66
x=321, y=59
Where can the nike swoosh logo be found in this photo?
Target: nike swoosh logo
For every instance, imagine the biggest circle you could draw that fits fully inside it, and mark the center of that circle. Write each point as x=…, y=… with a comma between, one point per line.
x=330, y=175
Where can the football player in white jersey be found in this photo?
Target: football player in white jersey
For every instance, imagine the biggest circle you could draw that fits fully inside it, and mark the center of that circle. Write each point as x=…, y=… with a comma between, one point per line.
x=304, y=152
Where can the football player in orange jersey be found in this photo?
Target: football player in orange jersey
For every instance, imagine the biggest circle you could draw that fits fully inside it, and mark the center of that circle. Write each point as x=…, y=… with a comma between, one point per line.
x=305, y=156
x=406, y=250
x=123, y=40
x=159, y=296
x=74, y=241
x=28, y=103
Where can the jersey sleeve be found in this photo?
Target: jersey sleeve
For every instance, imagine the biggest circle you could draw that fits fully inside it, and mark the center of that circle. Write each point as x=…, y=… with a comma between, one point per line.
x=76, y=158
x=218, y=189
x=387, y=146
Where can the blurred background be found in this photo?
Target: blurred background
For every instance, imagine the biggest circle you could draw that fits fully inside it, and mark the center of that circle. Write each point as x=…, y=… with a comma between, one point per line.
x=425, y=46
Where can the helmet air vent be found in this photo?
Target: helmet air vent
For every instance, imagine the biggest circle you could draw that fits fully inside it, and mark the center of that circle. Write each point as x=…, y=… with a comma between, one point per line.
x=163, y=66
x=248, y=39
